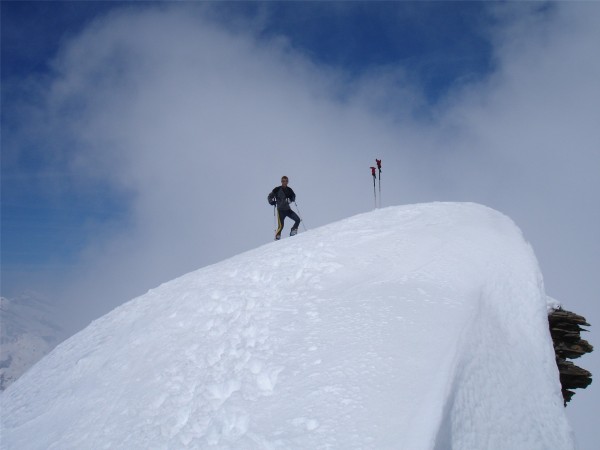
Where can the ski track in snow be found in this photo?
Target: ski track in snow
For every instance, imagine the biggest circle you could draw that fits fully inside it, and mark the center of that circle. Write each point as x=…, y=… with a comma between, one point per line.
x=392, y=329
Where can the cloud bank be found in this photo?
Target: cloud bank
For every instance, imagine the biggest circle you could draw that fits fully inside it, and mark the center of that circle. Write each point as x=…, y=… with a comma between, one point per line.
x=193, y=124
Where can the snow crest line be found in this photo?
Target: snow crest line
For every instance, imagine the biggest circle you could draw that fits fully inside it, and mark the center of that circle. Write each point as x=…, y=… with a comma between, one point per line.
x=421, y=327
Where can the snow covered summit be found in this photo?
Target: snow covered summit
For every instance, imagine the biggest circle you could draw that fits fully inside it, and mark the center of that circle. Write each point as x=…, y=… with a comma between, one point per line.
x=414, y=327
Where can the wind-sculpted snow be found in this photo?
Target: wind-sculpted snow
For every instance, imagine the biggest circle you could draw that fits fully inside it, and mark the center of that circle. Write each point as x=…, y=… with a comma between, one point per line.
x=415, y=327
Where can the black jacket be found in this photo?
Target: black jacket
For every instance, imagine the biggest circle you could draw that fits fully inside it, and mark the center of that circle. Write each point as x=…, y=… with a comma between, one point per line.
x=282, y=197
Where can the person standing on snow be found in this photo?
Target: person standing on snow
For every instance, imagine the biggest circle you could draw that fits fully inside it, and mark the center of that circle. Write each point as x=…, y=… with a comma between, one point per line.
x=282, y=196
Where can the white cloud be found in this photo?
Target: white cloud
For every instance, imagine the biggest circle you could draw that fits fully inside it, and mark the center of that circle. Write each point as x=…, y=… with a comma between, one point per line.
x=196, y=125
x=195, y=122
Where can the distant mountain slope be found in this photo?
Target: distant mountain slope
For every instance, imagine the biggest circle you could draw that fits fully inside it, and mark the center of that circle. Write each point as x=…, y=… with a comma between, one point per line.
x=414, y=327
x=27, y=333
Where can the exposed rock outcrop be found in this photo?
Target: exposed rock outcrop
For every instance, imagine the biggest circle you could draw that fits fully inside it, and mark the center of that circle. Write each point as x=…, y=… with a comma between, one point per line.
x=565, y=329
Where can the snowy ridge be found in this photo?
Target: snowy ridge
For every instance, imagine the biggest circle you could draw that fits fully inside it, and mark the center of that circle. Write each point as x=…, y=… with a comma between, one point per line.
x=28, y=331
x=414, y=327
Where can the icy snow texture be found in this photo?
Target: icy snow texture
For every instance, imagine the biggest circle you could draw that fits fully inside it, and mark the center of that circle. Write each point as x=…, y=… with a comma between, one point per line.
x=415, y=327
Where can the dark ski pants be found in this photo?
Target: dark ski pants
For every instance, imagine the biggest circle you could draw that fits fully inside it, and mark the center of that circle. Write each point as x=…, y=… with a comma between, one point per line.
x=282, y=214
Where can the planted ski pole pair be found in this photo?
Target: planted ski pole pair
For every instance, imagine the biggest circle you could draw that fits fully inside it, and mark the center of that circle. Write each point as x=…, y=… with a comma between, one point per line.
x=378, y=161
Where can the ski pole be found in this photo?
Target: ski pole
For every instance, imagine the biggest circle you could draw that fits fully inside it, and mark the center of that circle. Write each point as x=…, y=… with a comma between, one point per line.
x=378, y=161
x=374, y=191
x=301, y=219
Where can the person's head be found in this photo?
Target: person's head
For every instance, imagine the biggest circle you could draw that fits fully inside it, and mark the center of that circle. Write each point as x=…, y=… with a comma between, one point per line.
x=284, y=180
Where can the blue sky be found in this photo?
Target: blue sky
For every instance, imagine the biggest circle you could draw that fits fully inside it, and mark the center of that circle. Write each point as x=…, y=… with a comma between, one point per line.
x=439, y=44
x=41, y=230
x=139, y=140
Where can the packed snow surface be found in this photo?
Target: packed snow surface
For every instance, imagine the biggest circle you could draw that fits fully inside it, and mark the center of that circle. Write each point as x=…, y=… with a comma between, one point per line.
x=414, y=327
